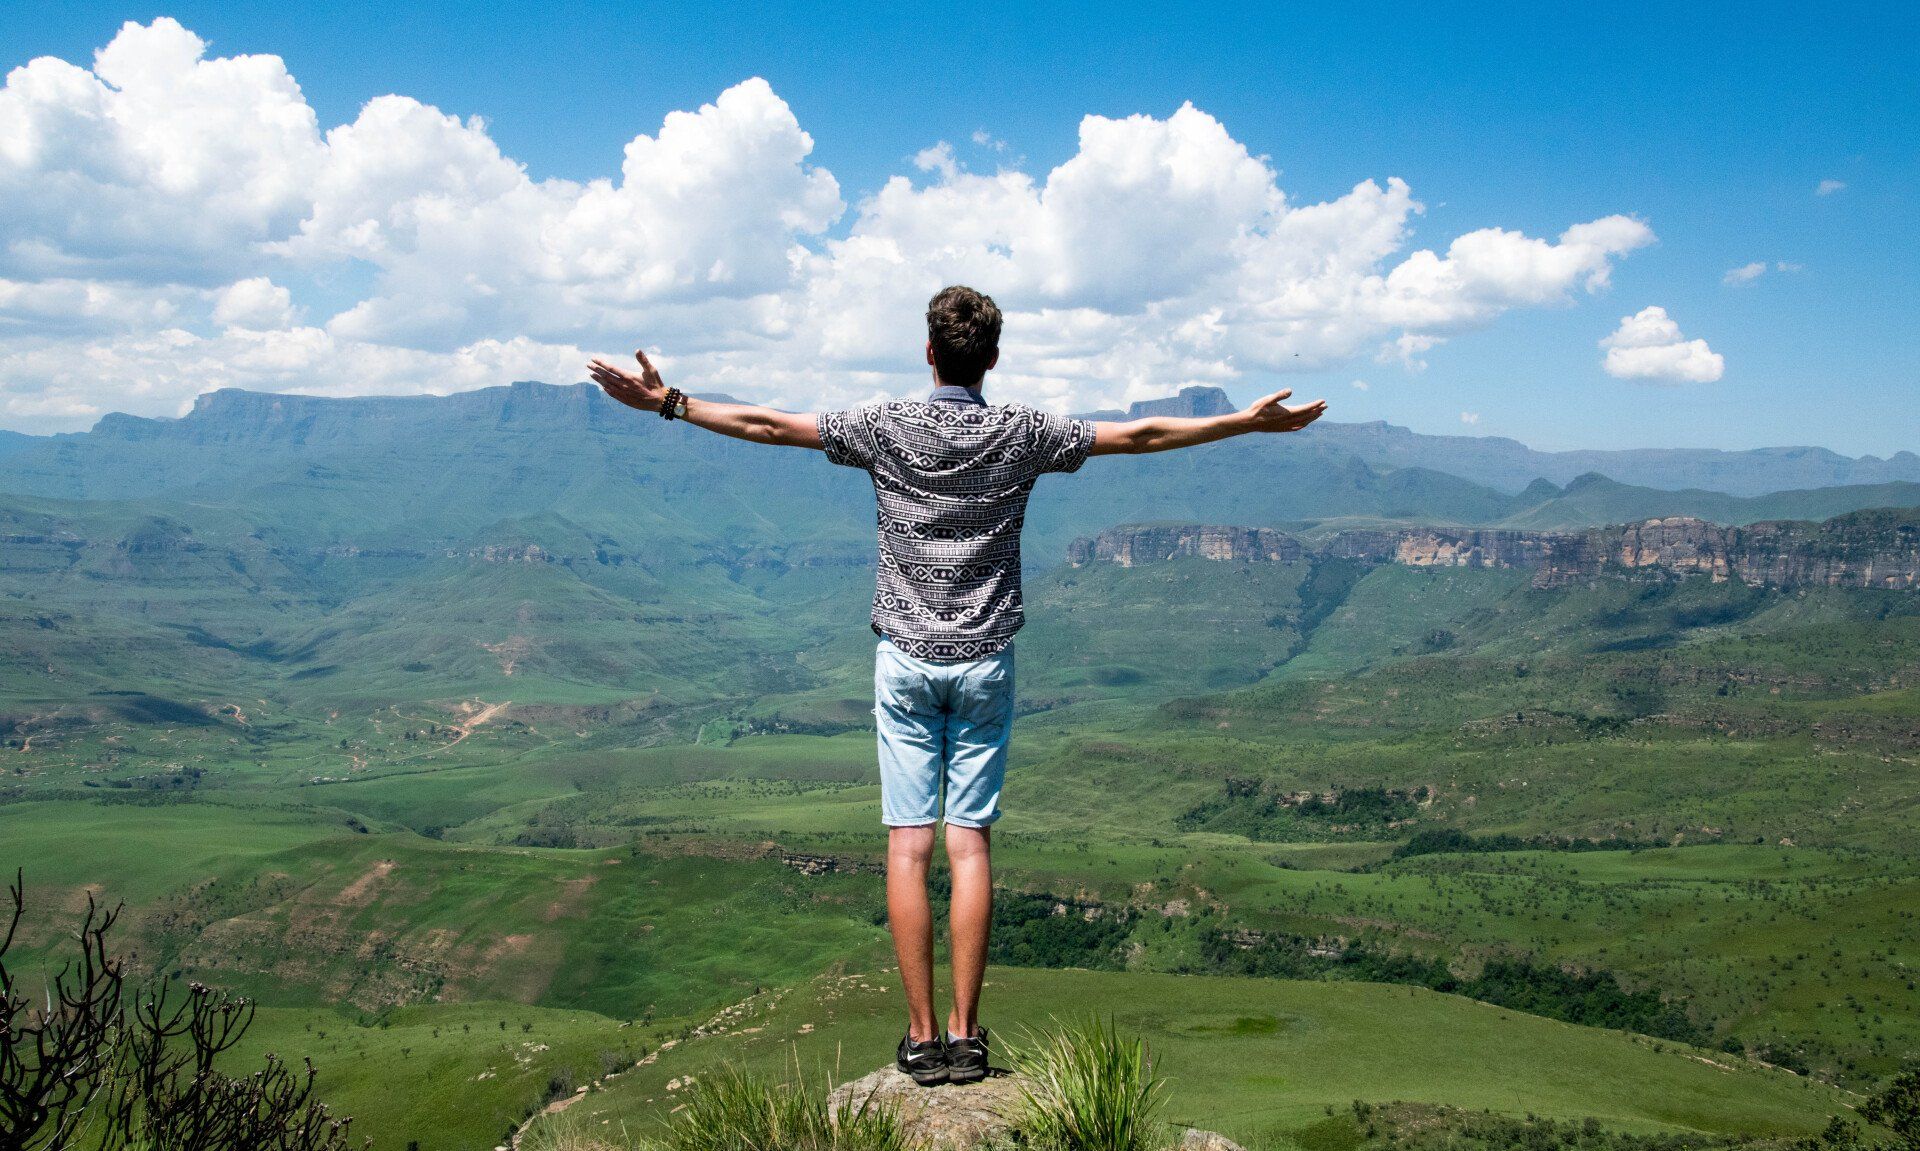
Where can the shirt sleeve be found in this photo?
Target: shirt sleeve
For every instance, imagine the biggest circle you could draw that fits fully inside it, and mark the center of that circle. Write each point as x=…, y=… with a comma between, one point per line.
x=847, y=436
x=1061, y=443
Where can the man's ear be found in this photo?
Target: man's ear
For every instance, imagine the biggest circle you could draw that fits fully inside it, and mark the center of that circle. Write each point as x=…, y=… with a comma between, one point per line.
x=929, y=352
x=994, y=360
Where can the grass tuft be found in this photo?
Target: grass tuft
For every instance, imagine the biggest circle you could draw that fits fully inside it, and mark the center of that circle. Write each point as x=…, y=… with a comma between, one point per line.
x=567, y=1132
x=1087, y=1089
x=736, y=1111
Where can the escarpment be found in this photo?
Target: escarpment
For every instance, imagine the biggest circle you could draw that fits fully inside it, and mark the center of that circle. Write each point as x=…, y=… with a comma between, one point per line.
x=1876, y=548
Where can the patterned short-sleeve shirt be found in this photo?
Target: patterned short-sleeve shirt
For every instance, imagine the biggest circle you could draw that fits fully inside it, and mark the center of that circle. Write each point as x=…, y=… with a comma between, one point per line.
x=951, y=477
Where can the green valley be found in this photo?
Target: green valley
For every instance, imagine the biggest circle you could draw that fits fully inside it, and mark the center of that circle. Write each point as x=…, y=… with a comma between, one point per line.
x=1337, y=777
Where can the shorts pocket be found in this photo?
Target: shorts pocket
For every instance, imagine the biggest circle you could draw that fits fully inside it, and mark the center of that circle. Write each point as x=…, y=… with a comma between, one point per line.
x=900, y=689
x=984, y=696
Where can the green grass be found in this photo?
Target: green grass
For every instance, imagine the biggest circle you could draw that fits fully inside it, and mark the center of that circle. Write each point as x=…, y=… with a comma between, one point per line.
x=446, y=1075
x=298, y=916
x=137, y=854
x=737, y=1111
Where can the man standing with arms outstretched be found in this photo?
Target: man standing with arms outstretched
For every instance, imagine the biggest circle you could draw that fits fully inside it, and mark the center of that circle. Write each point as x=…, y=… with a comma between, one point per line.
x=951, y=474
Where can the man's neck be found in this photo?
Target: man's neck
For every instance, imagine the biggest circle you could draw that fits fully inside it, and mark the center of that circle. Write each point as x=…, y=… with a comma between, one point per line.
x=955, y=394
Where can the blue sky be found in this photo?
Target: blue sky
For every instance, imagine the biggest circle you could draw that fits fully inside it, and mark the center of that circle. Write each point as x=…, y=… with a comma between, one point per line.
x=1714, y=128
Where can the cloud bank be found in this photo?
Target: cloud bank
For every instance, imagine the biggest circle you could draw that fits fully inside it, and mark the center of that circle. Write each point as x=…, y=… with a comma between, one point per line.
x=172, y=222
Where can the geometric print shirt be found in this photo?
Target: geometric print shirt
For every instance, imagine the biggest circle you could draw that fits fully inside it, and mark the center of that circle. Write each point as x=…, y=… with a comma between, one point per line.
x=951, y=477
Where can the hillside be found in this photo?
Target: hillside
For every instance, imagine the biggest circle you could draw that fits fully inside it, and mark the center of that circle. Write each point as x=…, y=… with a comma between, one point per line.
x=1265, y=1063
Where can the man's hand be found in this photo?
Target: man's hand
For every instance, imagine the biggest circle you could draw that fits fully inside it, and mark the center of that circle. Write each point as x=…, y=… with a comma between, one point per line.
x=646, y=391
x=1270, y=415
x=1165, y=433
x=643, y=389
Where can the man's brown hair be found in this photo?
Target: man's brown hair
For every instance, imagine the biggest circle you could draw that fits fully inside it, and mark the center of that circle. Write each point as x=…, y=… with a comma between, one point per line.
x=964, y=328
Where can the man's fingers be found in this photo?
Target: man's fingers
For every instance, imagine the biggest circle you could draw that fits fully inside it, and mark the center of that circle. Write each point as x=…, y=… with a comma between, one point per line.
x=1288, y=419
x=606, y=374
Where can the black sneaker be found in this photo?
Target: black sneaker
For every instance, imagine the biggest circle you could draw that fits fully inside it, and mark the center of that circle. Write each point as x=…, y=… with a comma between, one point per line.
x=926, y=1062
x=967, y=1058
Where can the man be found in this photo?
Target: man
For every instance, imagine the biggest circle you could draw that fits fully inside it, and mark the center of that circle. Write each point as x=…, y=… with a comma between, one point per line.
x=951, y=474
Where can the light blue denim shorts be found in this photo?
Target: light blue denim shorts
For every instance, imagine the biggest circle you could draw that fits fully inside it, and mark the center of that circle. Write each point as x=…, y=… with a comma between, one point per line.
x=943, y=729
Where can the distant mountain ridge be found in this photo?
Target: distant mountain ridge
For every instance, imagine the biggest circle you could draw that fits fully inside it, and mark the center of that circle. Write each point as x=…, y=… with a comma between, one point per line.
x=1879, y=548
x=1509, y=465
x=568, y=469
x=1502, y=464
x=1189, y=402
x=11, y=442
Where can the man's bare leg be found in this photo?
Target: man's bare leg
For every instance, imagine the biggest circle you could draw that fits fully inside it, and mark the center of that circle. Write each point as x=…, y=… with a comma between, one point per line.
x=970, y=916
x=910, y=918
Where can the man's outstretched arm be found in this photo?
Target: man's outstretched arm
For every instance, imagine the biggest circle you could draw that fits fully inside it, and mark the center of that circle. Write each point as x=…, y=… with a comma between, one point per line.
x=1164, y=433
x=646, y=391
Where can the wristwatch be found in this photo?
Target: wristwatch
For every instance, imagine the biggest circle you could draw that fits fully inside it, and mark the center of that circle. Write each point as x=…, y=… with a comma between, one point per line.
x=674, y=405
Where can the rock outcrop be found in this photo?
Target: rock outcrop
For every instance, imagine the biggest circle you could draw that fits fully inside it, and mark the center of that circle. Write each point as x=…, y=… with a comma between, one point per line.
x=1876, y=548
x=971, y=1116
x=953, y=1117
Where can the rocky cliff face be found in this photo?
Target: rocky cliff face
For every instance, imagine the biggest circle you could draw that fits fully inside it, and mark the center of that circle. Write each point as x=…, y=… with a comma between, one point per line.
x=1137, y=545
x=1439, y=547
x=1878, y=548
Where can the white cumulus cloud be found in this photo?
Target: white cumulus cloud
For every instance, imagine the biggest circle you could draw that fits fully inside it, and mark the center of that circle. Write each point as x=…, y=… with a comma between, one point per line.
x=167, y=217
x=1648, y=346
x=256, y=302
x=155, y=165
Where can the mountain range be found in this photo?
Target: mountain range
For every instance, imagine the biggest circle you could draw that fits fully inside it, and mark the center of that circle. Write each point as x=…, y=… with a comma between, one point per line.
x=1510, y=465
x=415, y=547
x=387, y=470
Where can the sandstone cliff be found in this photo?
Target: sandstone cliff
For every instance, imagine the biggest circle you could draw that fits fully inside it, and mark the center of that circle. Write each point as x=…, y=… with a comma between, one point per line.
x=1150, y=544
x=1877, y=548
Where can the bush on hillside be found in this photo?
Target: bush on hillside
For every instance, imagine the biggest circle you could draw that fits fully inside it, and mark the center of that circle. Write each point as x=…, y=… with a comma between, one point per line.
x=1895, y=1107
x=87, y=1061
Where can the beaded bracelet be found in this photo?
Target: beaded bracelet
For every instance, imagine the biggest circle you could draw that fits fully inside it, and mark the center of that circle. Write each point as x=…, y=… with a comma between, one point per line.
x=672, y=401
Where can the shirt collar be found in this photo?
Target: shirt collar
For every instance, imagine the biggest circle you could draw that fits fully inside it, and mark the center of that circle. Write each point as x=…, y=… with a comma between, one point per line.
x=955, y=394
